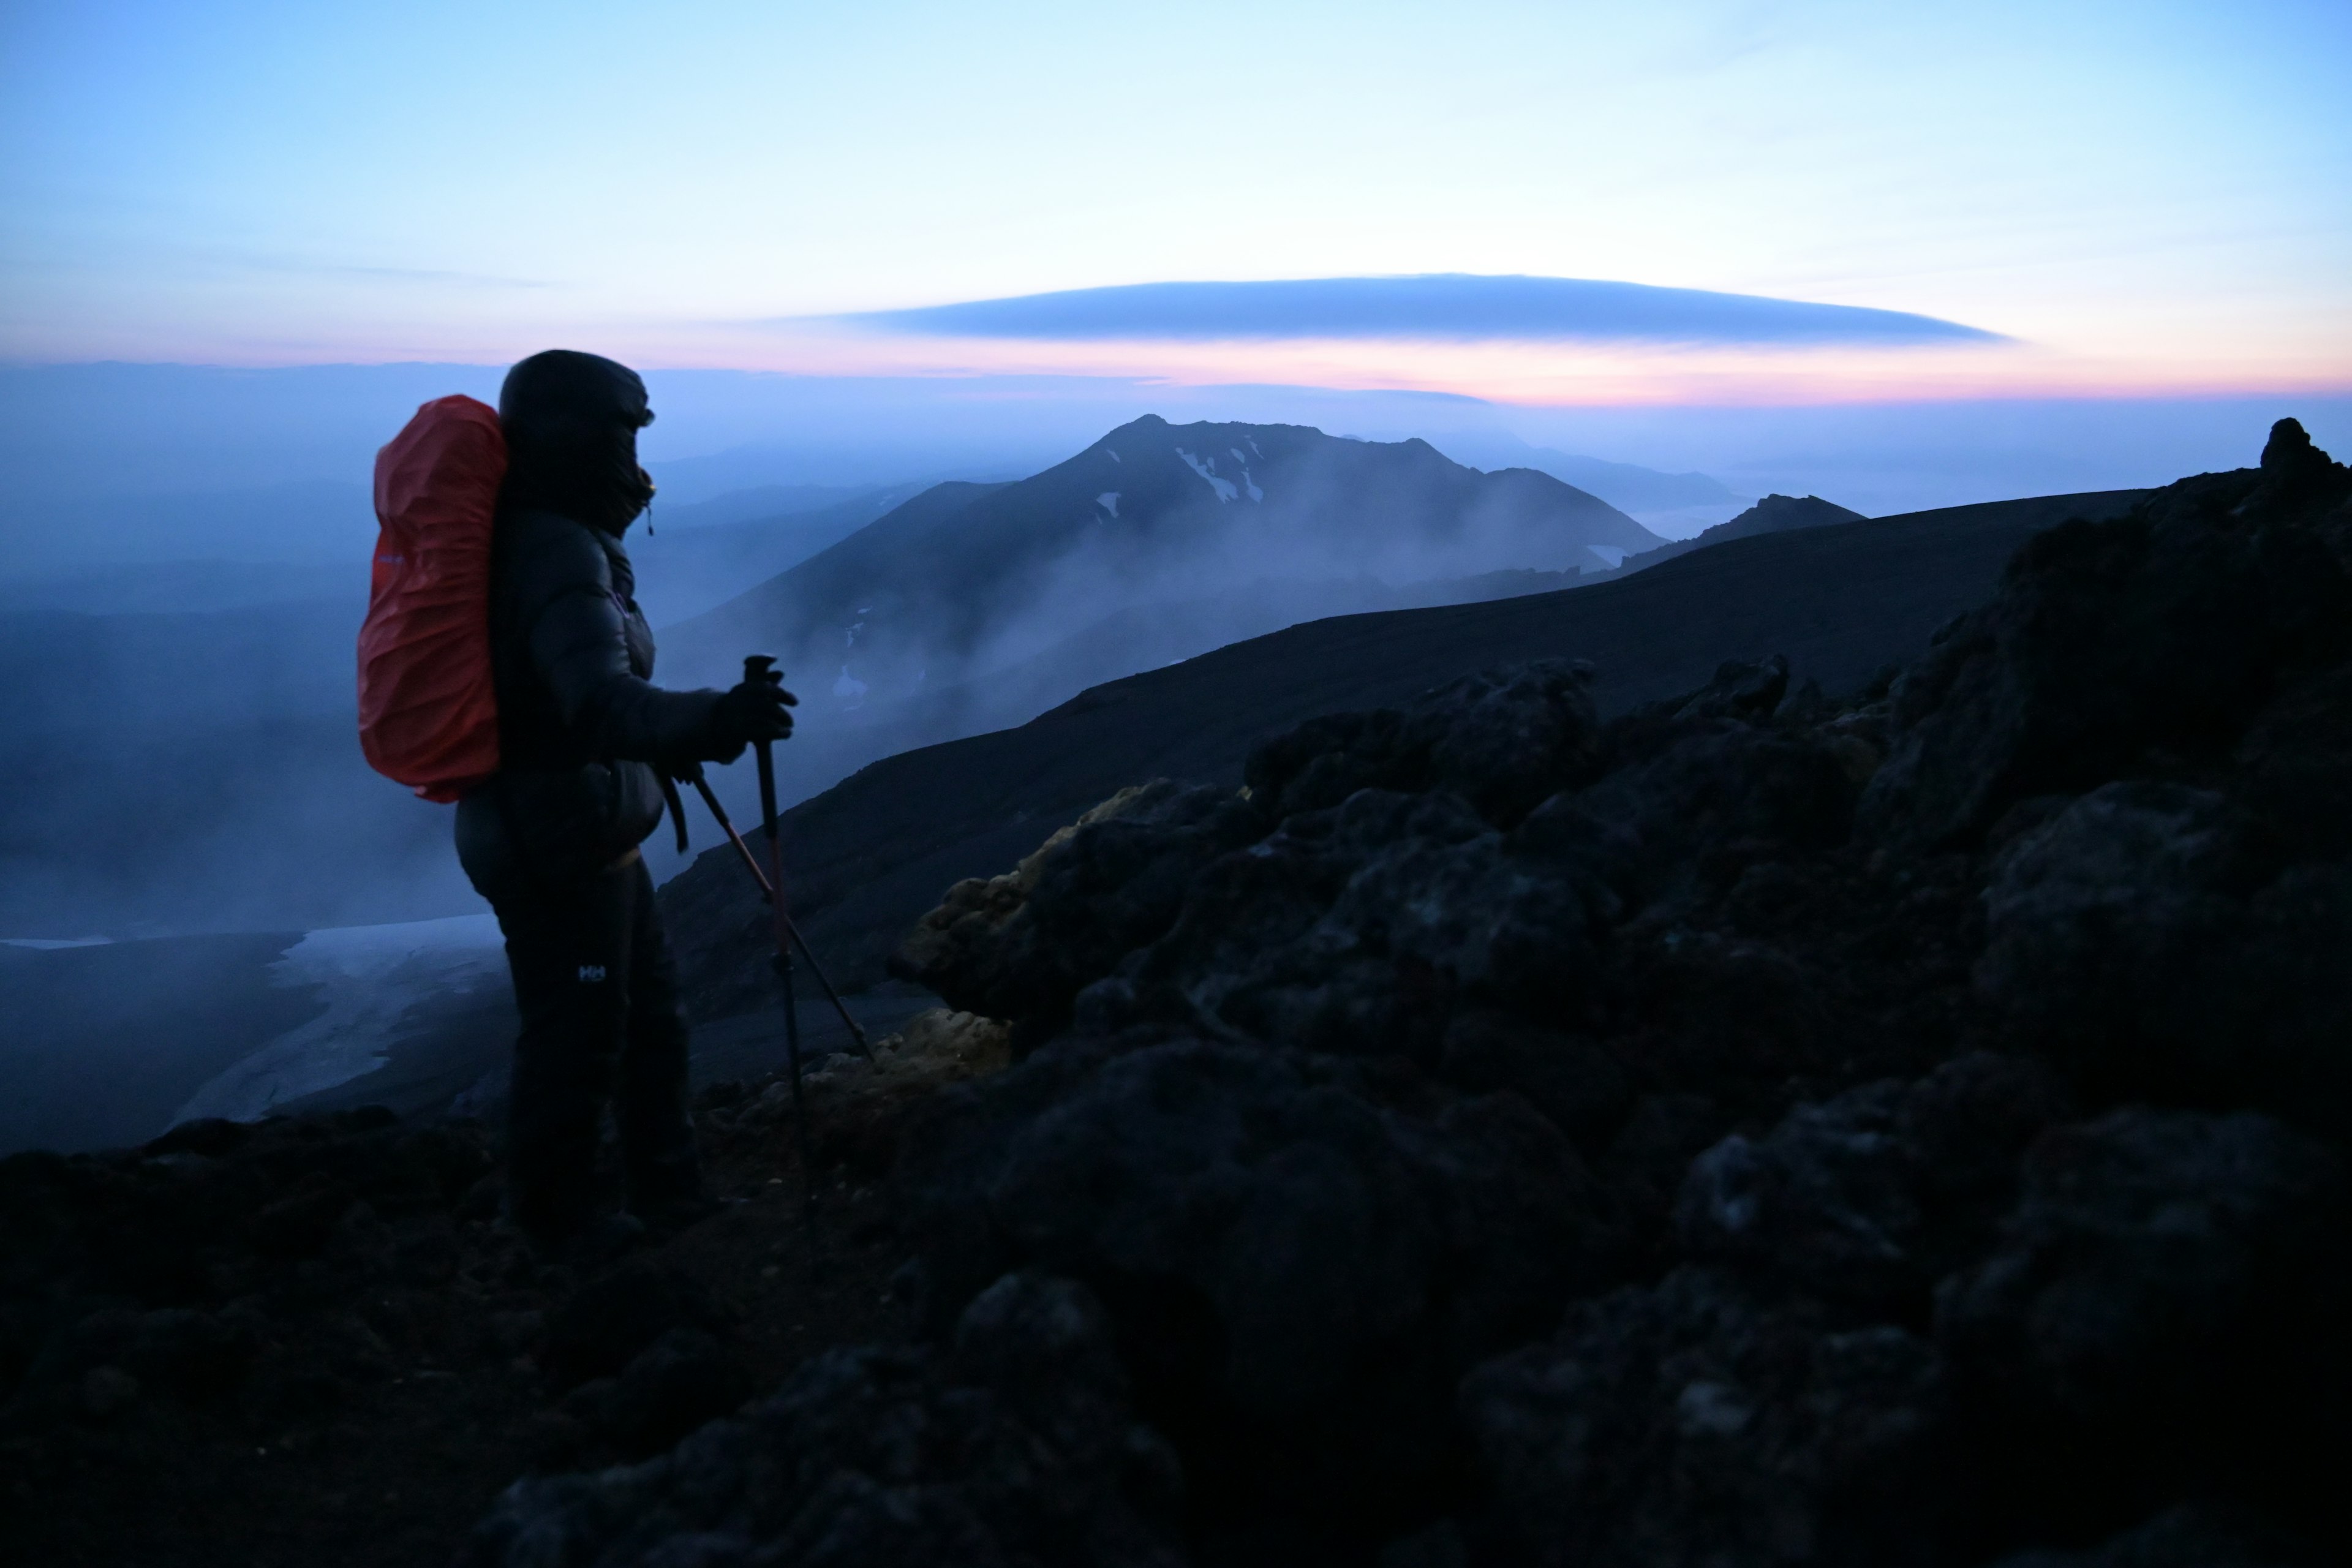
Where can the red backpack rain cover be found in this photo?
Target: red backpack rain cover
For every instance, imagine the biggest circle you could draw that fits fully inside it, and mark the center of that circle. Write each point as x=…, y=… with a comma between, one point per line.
x=428, y=715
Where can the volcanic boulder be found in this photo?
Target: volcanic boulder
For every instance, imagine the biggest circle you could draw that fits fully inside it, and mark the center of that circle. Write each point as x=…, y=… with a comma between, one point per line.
x=1869, y=1199
x=1022, y=945
x=1689, y=1423
x=2162, y=1309
x=1501, y=738
x=1301, y=1271
x=1014, y=1445
x=2187, y=1535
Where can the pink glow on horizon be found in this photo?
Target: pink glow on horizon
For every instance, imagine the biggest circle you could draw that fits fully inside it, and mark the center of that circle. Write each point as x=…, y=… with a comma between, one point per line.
x=1523, y=373
x=1539, y=374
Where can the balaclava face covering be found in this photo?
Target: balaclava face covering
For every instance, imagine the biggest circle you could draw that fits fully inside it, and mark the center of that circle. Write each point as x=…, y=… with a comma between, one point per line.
x=571, y=421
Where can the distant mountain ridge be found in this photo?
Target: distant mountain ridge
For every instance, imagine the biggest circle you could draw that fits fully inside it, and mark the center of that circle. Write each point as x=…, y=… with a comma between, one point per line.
x=1629, y=487
x=967, y=578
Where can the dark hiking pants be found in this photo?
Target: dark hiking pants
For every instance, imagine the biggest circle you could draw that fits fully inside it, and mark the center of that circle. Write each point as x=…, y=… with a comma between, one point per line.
x=601, y=1022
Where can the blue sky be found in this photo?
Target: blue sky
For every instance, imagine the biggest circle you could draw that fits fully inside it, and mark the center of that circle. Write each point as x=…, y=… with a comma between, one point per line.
x=2134, y=198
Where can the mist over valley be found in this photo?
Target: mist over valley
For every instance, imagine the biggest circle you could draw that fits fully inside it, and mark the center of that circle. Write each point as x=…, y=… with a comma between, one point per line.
x=188, y=723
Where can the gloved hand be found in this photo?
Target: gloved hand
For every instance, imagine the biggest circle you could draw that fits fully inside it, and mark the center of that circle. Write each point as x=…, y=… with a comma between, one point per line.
x=750, y=711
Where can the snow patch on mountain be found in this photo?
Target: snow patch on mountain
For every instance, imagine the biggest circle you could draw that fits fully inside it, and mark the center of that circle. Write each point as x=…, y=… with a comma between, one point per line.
x=1207, y=468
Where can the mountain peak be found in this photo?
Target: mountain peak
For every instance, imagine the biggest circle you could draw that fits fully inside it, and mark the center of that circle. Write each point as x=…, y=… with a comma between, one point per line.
x=1152, y=514
x=1781, y=514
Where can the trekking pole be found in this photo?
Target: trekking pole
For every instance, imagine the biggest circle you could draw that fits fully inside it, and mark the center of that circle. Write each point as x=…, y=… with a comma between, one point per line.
x=762, y=667
x=767, y=891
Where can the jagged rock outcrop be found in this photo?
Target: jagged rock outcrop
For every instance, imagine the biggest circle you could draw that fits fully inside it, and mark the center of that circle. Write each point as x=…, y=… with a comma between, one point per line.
x=1758, y=1128
x=2146, y=645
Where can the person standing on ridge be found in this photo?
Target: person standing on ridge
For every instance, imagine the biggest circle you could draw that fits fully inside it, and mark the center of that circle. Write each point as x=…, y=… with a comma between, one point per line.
x=586, y=746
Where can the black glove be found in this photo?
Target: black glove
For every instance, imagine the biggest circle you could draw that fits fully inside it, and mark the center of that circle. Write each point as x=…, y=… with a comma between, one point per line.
x=751, y=712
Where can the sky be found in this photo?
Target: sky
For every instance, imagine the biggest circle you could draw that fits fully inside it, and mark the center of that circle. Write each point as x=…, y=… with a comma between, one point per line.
x=2151, y=199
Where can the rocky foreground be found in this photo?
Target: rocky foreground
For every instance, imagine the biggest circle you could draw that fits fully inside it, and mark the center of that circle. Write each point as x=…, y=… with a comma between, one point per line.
x=1755, y=1130
x=1760, y=1129
x=309, y=1340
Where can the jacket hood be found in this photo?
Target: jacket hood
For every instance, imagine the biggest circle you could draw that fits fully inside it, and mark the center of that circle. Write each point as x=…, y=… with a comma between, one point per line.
x=570, y=421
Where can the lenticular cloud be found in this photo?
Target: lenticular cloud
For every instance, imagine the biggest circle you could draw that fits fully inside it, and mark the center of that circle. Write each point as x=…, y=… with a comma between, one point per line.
x=1450, y=306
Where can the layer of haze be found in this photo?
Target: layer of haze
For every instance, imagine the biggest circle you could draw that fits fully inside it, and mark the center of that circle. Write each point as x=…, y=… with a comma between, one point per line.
x=184, y=566
x=125, y=464
x=2144, y=196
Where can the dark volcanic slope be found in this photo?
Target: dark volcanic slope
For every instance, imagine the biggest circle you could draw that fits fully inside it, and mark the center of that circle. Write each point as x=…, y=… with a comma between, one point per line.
x=871, y=854
x=1151, y=512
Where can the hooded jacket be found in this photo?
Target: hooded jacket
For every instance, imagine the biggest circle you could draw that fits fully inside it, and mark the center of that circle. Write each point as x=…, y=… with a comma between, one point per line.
x=581, y=729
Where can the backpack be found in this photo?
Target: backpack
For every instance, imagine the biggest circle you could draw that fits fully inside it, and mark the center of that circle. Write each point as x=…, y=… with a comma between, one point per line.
x=428, y=712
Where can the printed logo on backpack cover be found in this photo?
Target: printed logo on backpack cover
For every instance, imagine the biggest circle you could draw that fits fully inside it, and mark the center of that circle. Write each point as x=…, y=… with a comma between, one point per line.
x=591, y=974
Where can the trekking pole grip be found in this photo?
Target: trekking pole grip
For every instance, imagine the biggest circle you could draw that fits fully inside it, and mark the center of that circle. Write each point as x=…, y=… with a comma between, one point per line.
x=761, y=667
